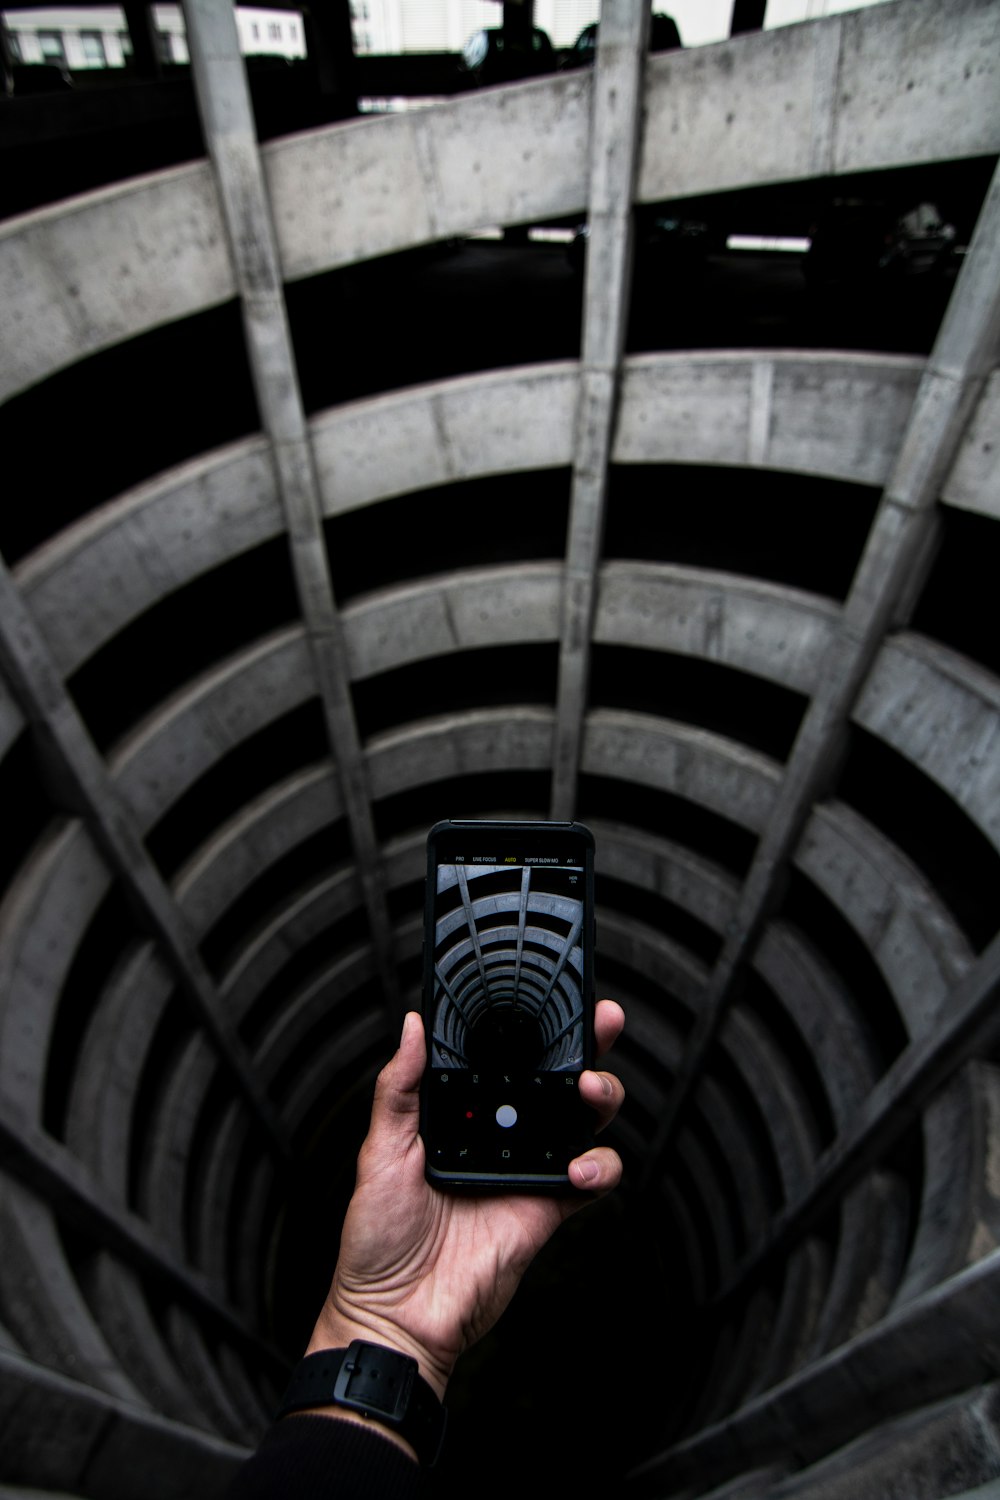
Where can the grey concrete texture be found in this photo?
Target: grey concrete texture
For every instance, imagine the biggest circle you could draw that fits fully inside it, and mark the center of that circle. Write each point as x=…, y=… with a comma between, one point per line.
x=412, y=179
x=144, y=1341
x=850, y=1392
x=821, y=99
x=172, y=530
x=100, y=1443
x=944, y=1450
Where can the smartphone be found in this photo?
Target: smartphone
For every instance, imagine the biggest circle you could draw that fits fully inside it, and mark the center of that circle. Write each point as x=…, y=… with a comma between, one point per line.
x=508, y=1003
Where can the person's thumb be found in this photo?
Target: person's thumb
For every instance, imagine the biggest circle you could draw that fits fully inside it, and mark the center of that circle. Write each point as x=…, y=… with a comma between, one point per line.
x=397, y=1089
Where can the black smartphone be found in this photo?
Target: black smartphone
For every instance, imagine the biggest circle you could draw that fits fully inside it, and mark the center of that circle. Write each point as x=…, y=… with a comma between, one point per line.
x=508, y=1003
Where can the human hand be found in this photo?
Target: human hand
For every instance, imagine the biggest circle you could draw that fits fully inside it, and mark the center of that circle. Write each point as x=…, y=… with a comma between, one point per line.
x=428, y=1272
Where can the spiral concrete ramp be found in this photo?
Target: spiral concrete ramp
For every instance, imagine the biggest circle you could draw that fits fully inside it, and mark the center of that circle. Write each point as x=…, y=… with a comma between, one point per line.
x=747, y=632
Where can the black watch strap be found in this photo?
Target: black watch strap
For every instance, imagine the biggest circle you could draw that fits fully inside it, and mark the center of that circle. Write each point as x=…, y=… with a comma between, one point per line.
x=377, y=1382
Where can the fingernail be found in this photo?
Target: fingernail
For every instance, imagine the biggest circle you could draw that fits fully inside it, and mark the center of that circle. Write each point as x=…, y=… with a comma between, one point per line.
x=588, y=1170
x=605, y=1084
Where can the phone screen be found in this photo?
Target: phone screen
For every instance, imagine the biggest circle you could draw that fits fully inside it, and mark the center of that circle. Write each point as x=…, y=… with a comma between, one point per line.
x=508, y=1000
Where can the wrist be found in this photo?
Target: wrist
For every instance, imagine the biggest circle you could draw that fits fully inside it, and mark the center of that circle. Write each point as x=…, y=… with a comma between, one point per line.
x=379, y=1385
x=337, y=1327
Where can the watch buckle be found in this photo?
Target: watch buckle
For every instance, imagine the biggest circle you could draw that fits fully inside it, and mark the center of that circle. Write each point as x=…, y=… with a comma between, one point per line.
x=352, y=1369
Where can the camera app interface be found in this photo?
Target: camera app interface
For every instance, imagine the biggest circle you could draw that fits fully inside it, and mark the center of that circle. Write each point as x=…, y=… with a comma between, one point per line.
x=507, y=1043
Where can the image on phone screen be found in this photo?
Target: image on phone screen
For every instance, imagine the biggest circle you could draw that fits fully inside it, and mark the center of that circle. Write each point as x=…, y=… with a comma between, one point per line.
x=508, y=968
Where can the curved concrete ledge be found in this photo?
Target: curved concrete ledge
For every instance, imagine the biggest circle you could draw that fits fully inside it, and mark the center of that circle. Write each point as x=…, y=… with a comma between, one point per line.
x=908, y=931
x=781, y=1095
x=183, y=1080
x=41, y=922
x=284, y=934
x=701, y=898
x=122, y=1310
x=778, y=633
x=683, y=1230
x=714, y=1210
x=702, y=767
x=824, y=1015
x=820, y=100
x=664, y=963
x=203, y=1376
x=42, y=1302
x=736, y=1349
x=441, y=749
x=770, y=631
x=79, y=917
x=841, y=416
x=87, y=583
x=112, y=1058
x=213, y=1221
x=958, y=1222
x=261, y=833
x=671, y=871
x=909, y=934
x=12, y=720
x=494, y=423
x=246, y=844
x=721, y=1114
x=336, y=1062
x=785, y=1111
x=805, y=1278
x=451, y=612
x=868, y=1261
x=81, y=275
x=193, y=730
x=643, y=1091
x=973, y=482
x=309, y=1007
x=248, y=1234
x=923, y=1352
x=255, y=1411
x=942, y=712
x=89, y=273
x=504, y=156
x=104, y=1440
x=945, y=1449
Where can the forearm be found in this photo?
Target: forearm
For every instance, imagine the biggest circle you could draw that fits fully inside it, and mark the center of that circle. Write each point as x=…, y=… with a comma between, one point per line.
x=327, y=1460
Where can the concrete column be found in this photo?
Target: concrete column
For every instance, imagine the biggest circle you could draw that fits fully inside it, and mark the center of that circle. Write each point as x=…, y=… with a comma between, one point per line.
x=65, y=1187
x=330, y=48
x=142, y=33
x=518, y=23
x=616, y=125
x=83, y=1439
x=894, y=564
x=86, y=785
x=969, y=1027
x=936, y=1346
x=227, y=122
x=748, y=15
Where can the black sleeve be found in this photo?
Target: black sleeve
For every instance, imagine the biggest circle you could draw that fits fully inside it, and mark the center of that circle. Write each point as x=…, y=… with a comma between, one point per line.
x=319, y=1458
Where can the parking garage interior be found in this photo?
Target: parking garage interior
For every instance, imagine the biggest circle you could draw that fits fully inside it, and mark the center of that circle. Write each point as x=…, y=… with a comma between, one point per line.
x=342, y=496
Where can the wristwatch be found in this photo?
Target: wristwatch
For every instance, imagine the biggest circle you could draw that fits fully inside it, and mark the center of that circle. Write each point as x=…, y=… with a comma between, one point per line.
x=377, y=1382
